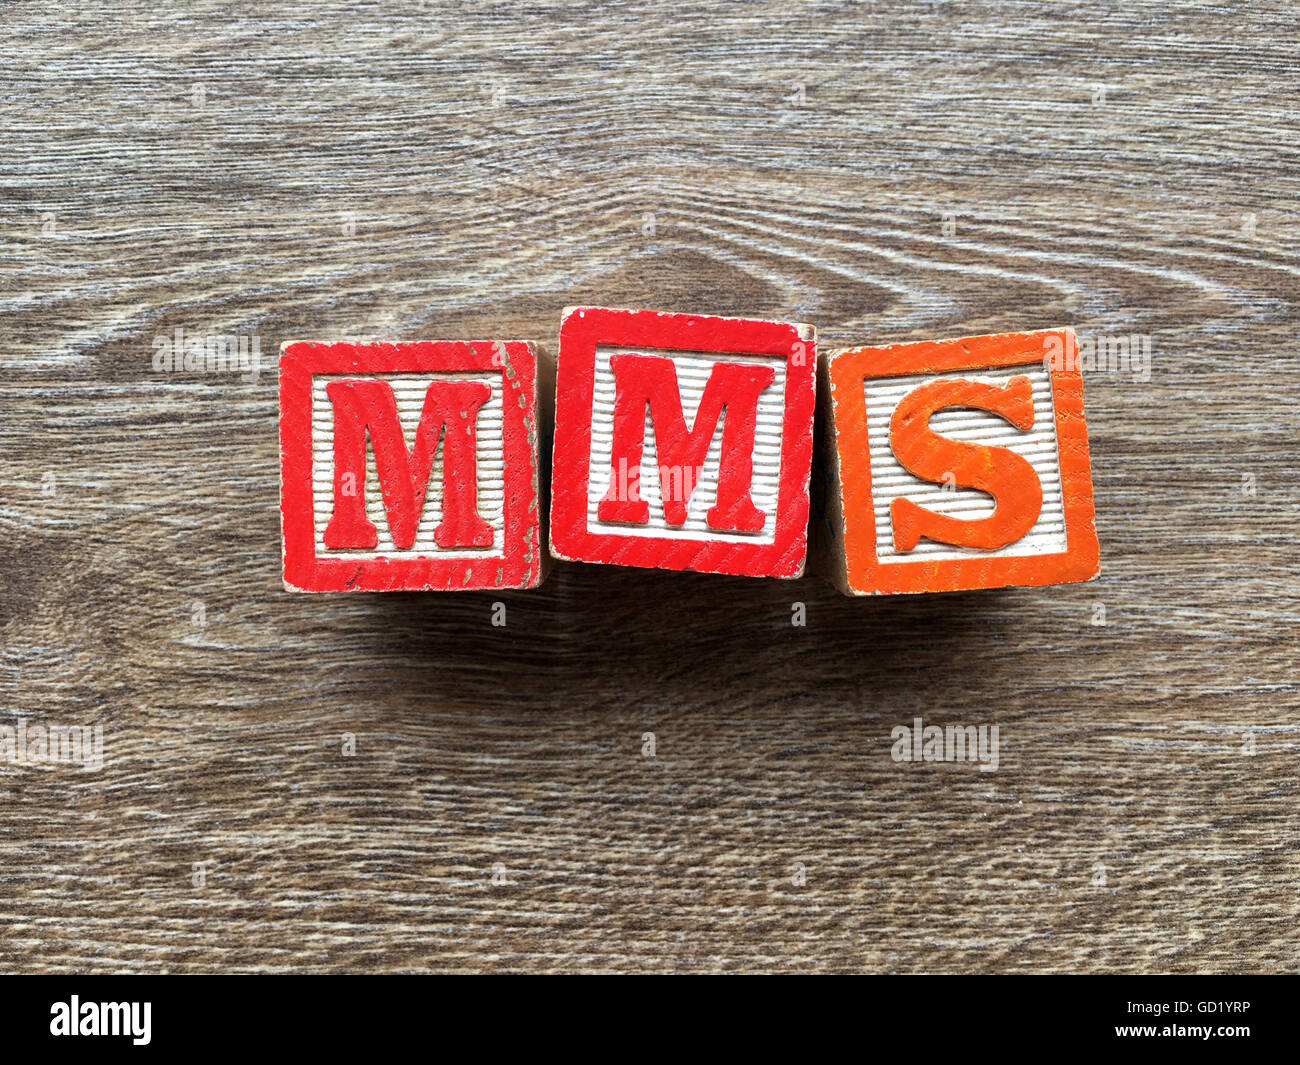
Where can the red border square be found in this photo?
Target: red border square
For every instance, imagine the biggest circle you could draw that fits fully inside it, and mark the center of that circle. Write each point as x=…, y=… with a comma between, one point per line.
x=582, y=329
x=520, y=563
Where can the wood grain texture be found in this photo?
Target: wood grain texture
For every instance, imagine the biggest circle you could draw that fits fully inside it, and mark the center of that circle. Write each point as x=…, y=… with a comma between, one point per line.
x=887, y=172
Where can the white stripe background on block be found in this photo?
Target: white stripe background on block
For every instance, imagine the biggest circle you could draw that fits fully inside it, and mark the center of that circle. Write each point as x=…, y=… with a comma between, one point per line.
x=890, y=481
x=409, y=390
x=693, y=369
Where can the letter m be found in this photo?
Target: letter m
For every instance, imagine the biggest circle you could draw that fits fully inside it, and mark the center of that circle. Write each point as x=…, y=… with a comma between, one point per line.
x=116, y=1018
x=644, y=382
x=449, y=415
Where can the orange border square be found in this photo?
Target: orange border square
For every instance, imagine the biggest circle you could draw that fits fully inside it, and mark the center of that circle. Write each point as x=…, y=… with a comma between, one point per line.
x=848, y=372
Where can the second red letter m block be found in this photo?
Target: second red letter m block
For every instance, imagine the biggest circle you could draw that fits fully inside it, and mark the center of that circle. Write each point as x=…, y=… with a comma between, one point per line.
x=683, y=442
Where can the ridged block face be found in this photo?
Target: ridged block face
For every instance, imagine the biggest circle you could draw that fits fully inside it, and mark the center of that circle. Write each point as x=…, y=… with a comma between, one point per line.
x=683, y=442
x=410, y=466
x=958, y=464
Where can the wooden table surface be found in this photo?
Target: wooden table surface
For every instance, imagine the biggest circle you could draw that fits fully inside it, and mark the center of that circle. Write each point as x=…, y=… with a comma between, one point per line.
x=885, y=171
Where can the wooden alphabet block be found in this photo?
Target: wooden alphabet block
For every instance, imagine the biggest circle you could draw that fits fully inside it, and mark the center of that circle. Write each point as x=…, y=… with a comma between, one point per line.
x=409, y=467
x=683, y=442
x=958, y=464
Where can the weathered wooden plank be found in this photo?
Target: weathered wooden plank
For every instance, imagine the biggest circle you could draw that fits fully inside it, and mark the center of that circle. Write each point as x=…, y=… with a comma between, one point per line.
x=467, y=170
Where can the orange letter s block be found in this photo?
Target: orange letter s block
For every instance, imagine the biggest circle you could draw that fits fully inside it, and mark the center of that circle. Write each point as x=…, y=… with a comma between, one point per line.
x=1008, y=477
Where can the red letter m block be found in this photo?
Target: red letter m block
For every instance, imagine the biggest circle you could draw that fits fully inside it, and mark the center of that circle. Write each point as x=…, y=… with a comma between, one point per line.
x=959, y=464
x=683, y=442
x=409, y=467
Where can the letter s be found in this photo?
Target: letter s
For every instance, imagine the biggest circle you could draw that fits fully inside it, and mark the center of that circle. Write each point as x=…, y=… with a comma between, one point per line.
x=1006, y=476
